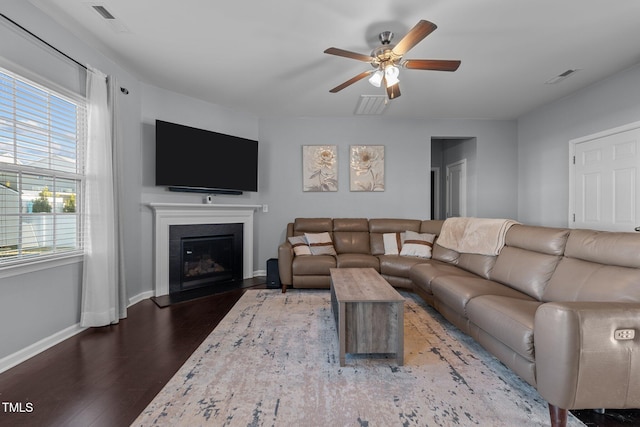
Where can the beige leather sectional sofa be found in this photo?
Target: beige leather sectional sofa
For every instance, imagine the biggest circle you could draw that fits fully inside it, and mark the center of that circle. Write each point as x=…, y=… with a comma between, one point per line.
x=559, y=307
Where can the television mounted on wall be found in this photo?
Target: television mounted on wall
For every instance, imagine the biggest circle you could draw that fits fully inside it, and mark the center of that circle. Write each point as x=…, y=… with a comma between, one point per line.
x=198, y=160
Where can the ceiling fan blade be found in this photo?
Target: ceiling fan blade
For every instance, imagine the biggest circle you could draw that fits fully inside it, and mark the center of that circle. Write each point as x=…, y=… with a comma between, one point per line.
x=349, y=54
x=431, y=64
x=414, y=36
x=351, y=81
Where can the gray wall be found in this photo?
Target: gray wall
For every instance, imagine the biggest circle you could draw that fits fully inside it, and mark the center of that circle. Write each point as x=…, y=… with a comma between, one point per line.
x=543, y=142
x=407, y=157
x=36, y=305
x=169, y=106
x=407, y=170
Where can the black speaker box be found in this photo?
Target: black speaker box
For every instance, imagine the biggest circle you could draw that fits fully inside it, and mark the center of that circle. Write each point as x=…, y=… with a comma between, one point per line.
x=273, y=276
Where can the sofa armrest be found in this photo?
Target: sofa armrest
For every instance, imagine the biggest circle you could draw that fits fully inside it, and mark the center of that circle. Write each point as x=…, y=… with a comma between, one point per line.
x=585, y=357
x=285, y=263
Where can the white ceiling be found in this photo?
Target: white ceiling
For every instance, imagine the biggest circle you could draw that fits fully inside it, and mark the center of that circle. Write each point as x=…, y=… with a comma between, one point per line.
x=265, y=57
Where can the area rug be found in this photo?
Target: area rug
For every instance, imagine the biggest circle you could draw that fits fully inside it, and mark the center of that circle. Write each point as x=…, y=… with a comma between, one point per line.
x=273, y=361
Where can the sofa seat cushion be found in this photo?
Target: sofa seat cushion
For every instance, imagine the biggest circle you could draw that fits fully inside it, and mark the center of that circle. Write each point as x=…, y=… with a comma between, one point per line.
x=358, y=261
x=399, y=266
x=509, y=320
x=423, y=274
x=456, y=291
x=313, y=265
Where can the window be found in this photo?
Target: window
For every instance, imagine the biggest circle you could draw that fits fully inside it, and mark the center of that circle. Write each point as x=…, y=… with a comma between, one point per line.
x=42, y=135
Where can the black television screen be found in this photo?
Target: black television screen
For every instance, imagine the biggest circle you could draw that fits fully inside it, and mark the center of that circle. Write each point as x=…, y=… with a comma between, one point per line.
x=191, y=159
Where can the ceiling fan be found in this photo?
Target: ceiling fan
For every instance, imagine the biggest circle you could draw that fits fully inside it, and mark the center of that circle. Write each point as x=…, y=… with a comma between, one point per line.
x=387, y=58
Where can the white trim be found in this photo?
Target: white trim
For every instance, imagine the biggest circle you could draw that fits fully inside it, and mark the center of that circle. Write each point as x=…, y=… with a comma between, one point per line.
x=140, y=297
x=25, y=73
x=436, y=193
x=26, y=353
x=463, y=187
x=167, y=214
x=572, y=153
x=608, y=132
x=26, y=267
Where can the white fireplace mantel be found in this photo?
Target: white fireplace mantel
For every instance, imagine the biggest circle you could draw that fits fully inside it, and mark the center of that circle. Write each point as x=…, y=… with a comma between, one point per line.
x=168, y=214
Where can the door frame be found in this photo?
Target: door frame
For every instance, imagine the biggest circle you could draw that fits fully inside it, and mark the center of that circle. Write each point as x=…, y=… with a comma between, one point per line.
x=435, y=194
x=572, y=154
x=463, y=187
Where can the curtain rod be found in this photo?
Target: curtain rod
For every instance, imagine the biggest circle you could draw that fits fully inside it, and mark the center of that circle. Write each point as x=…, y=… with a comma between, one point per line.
x=42, y=40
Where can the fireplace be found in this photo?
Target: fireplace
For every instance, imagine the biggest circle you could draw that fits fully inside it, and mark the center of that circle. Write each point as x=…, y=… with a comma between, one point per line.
x=167, y=215
x=204, y=255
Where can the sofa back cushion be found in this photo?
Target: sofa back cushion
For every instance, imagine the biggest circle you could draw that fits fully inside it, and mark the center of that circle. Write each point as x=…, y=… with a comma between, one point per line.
x=351, y=235
x=476, y=263
x=312, y=225
x=529, y=258
x=597, y=266
x=431, y=226
x=546, y=240
x=603, y=247
x=379, y=226
x=440, y=253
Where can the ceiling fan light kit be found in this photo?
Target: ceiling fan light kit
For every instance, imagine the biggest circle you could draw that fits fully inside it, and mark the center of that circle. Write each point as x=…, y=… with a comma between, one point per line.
x=376, y=78
x=387, y=58
x=391, y=75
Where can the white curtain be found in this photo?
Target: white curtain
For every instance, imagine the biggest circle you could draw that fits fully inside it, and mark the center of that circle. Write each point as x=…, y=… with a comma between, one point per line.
x=103, y=286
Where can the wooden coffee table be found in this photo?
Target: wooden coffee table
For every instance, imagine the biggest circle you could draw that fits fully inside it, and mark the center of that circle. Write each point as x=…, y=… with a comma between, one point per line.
x=369, y=313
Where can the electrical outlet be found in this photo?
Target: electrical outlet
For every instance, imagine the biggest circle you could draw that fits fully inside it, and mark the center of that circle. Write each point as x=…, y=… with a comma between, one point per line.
x=265, y=208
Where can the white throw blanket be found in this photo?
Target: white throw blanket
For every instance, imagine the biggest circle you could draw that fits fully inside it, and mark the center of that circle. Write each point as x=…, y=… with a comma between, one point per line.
x=484, y=236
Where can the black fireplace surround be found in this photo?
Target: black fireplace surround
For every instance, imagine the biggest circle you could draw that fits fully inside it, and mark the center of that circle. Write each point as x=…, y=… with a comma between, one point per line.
x=204, y=255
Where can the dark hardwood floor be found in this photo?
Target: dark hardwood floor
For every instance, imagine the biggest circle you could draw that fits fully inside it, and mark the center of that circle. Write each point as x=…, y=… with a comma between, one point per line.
x=107, y=376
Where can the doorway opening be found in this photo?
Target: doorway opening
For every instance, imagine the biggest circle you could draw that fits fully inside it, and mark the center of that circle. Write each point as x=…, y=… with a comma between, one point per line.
x=453, y=161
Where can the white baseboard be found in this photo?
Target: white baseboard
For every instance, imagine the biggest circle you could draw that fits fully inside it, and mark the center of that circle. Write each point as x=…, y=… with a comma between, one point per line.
x=20, y=356
x=257, y=273
x=140, y=297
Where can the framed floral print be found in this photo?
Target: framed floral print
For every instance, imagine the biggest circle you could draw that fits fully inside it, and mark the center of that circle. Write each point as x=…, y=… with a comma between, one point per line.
x=319, y=168
x=366, y=168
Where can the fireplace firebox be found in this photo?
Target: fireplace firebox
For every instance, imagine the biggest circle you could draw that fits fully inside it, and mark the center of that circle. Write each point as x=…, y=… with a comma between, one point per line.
x=202, y=255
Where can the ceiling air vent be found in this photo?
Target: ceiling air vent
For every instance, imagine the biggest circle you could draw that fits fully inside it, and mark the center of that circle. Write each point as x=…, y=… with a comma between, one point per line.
x=562, y=76
x=371, y=105
x=114, y=23
x=103, y=12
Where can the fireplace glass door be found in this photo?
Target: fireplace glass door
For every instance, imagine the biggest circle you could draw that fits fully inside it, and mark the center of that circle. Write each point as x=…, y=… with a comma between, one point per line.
x=206, y=258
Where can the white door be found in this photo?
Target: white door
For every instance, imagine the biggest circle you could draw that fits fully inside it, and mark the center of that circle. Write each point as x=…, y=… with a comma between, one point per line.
x=606, y=170
x=457, y=189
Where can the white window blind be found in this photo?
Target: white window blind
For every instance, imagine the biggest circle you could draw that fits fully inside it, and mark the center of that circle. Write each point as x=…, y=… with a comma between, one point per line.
x=42, y=134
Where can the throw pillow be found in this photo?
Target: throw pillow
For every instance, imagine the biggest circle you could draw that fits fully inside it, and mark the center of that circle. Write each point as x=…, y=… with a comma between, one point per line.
x=300, y=246
x=320, y=243
x=418, y=245
x=392, y=243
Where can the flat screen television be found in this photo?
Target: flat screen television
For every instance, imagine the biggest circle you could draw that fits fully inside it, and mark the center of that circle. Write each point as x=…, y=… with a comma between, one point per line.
x=198, y=160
